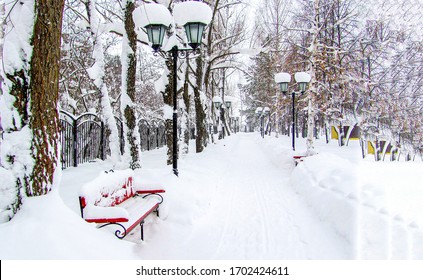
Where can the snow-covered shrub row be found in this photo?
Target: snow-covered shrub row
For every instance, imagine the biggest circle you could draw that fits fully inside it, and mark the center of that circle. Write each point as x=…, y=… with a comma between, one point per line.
x=328, y=185
x=358, y=211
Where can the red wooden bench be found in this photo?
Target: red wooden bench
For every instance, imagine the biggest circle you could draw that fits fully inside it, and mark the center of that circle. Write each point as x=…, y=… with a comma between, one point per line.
x=112, y=200
x=298, y=159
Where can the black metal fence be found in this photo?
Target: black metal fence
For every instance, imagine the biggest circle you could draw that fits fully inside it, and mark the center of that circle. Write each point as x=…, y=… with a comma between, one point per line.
x=84, y=138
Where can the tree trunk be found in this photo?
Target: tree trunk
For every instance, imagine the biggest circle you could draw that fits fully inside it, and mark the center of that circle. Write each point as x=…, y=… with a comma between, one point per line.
x=2, y=26
x=31, y=98
x=44, y=92
x=310, y=125
x=200, y=121
x=129, y=64
x=168, y=101
x=185, y=116
x=99, y=80
x=313, y=87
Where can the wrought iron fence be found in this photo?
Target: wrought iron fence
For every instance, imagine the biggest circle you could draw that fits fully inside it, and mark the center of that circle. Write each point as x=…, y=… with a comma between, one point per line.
x=84, y=138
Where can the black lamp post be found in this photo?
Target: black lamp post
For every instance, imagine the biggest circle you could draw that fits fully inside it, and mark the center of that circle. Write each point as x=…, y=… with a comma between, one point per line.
x=158, y=16
x=283, y=79
x=228, y=105
x=261, y=113
x=217, y=102
x=266, y=113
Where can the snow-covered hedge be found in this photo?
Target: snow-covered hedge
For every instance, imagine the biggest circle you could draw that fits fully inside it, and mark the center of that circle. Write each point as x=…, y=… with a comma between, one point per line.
x=359, y=212
x=329, y=186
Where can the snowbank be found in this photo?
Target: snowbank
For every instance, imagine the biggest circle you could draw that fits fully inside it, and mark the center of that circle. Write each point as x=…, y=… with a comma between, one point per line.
x=362, y=212
x=47, y=229
x=328, y=184
x=242, y=198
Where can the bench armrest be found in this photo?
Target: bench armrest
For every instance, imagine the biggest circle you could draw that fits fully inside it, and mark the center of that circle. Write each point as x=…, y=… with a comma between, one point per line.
x=150, y=191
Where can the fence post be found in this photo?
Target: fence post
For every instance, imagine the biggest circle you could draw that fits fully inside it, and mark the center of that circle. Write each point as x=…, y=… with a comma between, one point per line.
x=121, y=140
x=157, y=137
x=75, y=142
x=102, y=140
x=148, y=138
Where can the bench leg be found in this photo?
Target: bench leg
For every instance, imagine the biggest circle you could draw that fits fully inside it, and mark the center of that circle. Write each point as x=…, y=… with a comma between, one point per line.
x=119, y=234
x=157, y=212
x=142, y=230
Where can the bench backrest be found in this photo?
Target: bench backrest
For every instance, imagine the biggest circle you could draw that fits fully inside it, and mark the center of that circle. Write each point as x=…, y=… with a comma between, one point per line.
x=108, y=189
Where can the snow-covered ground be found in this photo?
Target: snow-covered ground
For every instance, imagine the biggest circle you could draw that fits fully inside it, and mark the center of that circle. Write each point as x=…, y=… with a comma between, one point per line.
x=242, y=198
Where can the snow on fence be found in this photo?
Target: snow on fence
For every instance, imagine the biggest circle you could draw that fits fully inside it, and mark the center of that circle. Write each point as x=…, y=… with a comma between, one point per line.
x=358, y=213
x=84, y=138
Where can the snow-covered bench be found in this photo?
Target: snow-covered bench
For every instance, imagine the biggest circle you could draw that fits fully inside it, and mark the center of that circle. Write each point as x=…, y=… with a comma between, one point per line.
x=112, y=199
x=298, y=159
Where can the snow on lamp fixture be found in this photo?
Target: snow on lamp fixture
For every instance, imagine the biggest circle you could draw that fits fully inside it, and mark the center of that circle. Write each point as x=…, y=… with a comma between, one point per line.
x=155, y=18
x=302, y=78
x=283, y=80
x=217, y=101
x=228, y=104
x=194, y=17
x=259, y=111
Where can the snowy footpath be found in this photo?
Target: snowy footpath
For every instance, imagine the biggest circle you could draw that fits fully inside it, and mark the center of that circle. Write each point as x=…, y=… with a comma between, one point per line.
x=238, y=203
x=243, y=198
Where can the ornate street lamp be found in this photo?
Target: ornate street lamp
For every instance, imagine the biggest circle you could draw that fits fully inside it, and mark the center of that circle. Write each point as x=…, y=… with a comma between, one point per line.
x=228, y=104
x=155, y=33
x=217, y=102
x=283, y=79
x=259, y=110
x=261, y=113
x=302, y=79
x=156, y=19
x=194, y=31
x=266, y=114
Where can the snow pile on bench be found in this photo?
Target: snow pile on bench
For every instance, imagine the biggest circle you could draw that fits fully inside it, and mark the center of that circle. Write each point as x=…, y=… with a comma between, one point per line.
x=104, y=192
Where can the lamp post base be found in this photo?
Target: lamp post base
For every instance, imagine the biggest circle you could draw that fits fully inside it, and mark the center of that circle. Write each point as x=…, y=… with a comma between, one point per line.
x=293, y=120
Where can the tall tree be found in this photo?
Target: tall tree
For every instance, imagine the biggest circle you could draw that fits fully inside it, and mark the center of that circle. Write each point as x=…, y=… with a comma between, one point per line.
x=97, y=73
x=29, y=105
x=128, y=93
x=224, y=39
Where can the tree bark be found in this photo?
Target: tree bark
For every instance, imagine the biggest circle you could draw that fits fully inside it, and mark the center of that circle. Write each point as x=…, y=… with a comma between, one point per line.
x=186, y=113
x=168, y=100
x=200, y=121
x=44, y=92
x=99, y=81
x=129, y=64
